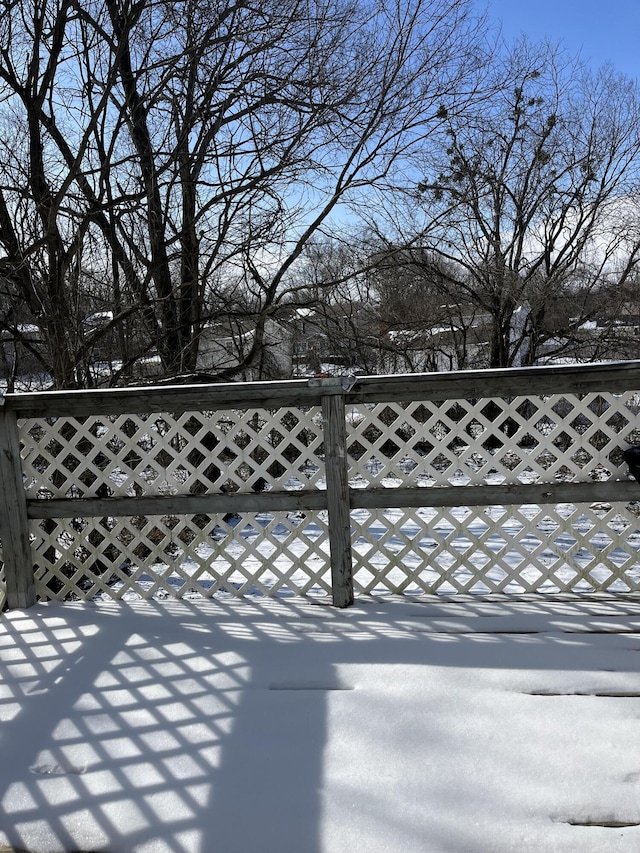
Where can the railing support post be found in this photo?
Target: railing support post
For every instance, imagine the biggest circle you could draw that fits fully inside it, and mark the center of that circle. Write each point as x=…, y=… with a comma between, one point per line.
x=335, y=448
x=14, y=525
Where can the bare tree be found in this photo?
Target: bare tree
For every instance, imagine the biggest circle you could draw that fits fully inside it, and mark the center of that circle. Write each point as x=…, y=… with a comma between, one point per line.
x=426, y=323
x=530, y=200
x=168, y=146
x=337, y=297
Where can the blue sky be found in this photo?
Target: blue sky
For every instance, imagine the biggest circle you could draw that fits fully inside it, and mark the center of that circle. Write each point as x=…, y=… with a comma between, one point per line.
x=602, y=30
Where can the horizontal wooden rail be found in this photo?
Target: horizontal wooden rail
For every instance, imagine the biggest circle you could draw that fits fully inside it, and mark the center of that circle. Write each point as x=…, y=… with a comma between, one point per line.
x=512, y=495
x=290, y=501
x=463, y=384
x=173, y=398
x=511, y=382
x=177, y=504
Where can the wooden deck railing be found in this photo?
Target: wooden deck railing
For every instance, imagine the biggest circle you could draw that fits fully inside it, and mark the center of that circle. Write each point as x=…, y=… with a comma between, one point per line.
x=478, y=481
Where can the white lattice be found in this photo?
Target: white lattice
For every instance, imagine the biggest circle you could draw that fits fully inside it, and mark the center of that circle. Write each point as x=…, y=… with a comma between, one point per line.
x=164, y=454
x=562, y=548
x=547, y=439
x=179, y=556
x=191, y=453
x=517, y=549
x=492, y=441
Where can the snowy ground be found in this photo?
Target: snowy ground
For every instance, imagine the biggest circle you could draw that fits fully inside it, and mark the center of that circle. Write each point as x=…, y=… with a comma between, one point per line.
x=264, y=726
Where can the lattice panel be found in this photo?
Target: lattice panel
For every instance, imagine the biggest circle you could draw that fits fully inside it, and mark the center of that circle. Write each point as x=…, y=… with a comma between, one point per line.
x=182, y=556
x=492, y=441
x=562, y=548
x=516, y=549
x=190, y=453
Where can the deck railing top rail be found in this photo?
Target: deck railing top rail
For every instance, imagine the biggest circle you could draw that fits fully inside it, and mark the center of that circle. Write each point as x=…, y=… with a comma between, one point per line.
x=552, y=379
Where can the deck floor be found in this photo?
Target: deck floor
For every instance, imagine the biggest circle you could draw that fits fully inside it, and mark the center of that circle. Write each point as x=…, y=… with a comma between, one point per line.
x=285, y=726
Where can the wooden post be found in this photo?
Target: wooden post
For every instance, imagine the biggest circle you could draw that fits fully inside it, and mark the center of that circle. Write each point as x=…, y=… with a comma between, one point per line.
x=335, y=450
x=14, y=527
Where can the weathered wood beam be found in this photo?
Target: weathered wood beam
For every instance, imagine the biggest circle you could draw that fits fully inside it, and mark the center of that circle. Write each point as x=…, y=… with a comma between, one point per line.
x=171, y=398
x=14, y=525
x=213, y=504
x=502, y=495
x=335, y=446
x=456, y=385
x=290, y=501
x=503, y=382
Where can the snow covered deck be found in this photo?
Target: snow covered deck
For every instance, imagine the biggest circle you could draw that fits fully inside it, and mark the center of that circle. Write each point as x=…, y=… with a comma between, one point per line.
x=284, y=726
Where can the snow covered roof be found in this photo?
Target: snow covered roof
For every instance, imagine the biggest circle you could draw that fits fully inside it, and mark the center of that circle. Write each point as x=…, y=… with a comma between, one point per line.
x=100, y=318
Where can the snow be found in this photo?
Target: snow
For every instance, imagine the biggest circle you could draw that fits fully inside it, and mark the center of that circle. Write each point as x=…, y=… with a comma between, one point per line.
x=286, y=726
x=100, y=318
